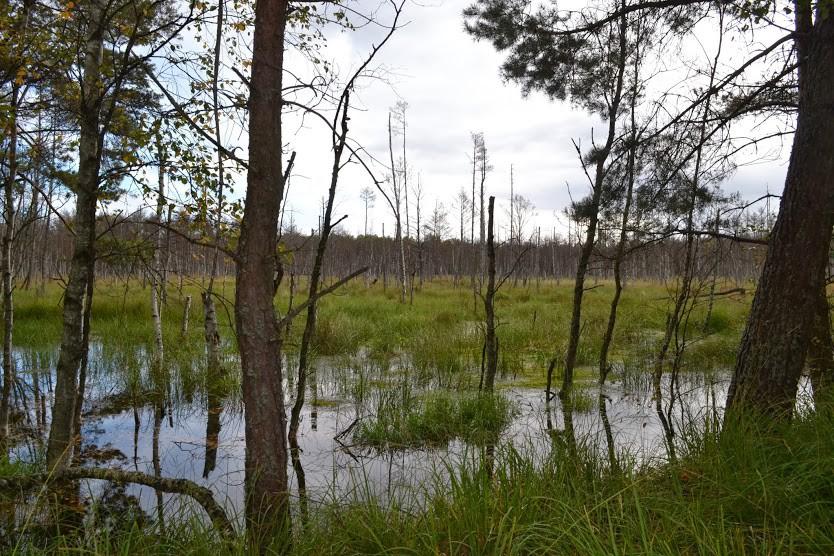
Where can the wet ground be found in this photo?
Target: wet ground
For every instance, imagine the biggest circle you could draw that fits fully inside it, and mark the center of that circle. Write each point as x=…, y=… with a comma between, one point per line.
x=199, y=434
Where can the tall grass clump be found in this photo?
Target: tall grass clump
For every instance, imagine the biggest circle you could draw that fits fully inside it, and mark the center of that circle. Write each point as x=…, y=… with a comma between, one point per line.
x=435, y=418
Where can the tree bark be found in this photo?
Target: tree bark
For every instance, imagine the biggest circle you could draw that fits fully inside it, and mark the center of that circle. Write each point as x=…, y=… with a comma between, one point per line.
x=821, y=352
x=157, y=270
x=491, y=342
x=267, y=496
x=200, y=494
x=776, y=338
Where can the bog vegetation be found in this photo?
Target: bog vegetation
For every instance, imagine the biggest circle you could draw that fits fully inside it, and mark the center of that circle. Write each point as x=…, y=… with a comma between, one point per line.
x=186, y=371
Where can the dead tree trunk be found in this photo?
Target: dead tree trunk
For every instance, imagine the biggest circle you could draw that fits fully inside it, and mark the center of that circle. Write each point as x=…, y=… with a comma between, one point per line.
x=490, y=340
x=315, y=274
x=185, y=314
x=397, y=213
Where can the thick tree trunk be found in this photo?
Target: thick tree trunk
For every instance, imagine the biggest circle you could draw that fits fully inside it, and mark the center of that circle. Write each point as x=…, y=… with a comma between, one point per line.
x=59, y=447
x=778, y=331
x=267, y=496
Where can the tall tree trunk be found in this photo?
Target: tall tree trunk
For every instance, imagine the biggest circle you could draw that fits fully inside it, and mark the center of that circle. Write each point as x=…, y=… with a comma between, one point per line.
x=587, y=250
x=397, y=212
x=212, y=335
x=6, y=266
x=619, y=256
x=776, y=337
x=6, y=269
x=59, y=447
x=83, y=367
x=267, y=495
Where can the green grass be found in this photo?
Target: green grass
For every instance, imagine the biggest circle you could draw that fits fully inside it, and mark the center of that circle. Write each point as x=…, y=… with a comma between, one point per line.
x=740, y=494
x=413, y=369
x=440, y=332
x=435, y=418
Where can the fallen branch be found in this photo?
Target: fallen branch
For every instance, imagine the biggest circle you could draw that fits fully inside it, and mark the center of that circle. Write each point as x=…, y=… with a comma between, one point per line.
x=732, y=291
x=200, y=494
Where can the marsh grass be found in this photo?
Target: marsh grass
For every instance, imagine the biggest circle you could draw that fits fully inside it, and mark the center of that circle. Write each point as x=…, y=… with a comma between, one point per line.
x=415, y=368
x=406, y=420
x=742, y=492
x=738, y=493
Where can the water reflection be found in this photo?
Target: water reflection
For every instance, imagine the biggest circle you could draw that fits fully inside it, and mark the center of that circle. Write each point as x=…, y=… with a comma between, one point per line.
x=172, y=427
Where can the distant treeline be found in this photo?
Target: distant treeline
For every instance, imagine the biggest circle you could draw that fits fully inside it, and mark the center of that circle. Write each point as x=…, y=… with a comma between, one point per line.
x=125, y=250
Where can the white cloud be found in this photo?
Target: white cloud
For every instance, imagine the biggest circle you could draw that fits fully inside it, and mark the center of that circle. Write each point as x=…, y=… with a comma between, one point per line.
x=453, y=87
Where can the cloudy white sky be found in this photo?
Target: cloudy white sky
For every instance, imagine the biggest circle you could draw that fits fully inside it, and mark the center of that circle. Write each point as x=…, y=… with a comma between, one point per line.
x=453, y=87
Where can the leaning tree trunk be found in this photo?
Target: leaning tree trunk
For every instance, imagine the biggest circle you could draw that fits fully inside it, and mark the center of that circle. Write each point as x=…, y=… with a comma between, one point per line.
x=59, y=447
x=267, y=496
x=777, y=335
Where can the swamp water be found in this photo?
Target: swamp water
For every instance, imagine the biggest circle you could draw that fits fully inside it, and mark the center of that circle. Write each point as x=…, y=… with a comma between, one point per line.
x=184, y=431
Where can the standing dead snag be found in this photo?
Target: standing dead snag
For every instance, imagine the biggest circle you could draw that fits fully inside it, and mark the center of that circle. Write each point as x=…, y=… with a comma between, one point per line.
x=339, y=139
x=490, y=340
x=396, y=208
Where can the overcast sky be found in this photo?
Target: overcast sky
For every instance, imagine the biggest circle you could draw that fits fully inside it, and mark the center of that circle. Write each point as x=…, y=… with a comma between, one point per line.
x=453, y=87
